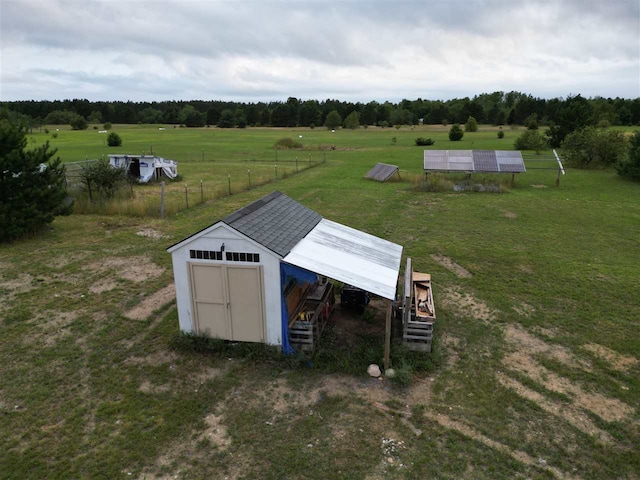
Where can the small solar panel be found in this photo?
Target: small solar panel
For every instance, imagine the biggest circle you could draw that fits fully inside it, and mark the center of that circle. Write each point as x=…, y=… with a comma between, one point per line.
x=382, y=172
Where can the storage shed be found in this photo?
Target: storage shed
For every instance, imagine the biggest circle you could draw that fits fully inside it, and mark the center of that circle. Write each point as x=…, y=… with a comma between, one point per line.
x=233, y=277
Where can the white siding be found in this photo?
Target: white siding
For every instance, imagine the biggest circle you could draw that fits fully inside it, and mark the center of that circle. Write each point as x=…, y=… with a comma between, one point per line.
x=212, y=239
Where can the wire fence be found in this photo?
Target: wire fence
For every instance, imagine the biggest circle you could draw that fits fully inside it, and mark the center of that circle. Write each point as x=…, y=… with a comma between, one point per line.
x=167, y=197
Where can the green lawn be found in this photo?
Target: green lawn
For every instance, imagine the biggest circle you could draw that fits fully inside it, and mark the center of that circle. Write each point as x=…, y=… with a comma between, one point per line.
x=535, y=370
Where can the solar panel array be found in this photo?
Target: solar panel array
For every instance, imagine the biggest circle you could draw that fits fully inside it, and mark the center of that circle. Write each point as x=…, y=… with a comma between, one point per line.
x=488, y=161
x=382, y=172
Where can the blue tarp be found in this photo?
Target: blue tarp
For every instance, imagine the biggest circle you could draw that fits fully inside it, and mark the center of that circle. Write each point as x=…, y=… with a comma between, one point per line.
x=287, y=273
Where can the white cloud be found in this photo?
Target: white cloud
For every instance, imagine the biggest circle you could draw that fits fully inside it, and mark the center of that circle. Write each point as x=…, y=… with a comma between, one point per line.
x=352, y=50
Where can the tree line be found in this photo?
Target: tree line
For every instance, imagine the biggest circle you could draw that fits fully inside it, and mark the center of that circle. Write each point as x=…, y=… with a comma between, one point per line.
x=497, y=108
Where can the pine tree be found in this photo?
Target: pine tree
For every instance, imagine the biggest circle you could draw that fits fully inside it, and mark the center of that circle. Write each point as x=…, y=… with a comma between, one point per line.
x=32, y=185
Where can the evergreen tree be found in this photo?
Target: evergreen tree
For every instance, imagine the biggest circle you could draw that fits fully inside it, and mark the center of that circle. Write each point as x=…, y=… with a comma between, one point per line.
x=455, y=133
x=32, y=185
x=471, y=125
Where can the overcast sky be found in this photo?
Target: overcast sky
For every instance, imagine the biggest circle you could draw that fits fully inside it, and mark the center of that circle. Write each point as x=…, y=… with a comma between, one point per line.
x=348, y=50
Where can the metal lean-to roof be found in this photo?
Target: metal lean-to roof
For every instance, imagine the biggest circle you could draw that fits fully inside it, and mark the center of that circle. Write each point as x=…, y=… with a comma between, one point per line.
x=487, y=161
x=350, y=256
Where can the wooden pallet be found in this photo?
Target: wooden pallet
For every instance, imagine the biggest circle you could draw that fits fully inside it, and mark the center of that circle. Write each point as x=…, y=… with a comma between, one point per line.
x=304, y=334
x=418, y=335
x=305, y=329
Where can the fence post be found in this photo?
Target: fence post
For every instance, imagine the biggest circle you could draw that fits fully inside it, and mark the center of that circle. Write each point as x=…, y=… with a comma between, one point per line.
x=229, y=177
x=276, y=168
x=162, y=201
x=249, y=174
x=186, y=194
x=201, y=192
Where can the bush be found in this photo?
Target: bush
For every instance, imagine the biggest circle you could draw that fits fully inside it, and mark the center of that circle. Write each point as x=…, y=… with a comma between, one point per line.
x=630, y=167
x=78, y=123
x=107, y=126
x=114, y=140
x=286, y=143
x=455, y=133
x=531, y=122
x=421, y=141
x=102, y=178
x=531, y=140
x=593, y=148
x=500, y=134
x=471, y=125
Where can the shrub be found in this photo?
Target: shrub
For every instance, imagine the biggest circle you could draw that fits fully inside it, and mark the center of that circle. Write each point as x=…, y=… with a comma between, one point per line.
x=114, y=140
x=471, y=125
x=78, y=123
x=531, y=122
x=590, y=147
x=421, y=141
x=107, y=126
x=286, y=143
x=102, y=178
x=500, y=133
x=630, y=167
x=455, y=133
x=531, y=140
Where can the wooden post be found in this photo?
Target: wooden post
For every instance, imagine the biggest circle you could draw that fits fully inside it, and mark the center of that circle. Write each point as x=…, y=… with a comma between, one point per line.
x=162, y=201
x=249, y=174
x=201, y=192
x=186, y=194
x=387, y=337
x=229, y=177
x=558, y=178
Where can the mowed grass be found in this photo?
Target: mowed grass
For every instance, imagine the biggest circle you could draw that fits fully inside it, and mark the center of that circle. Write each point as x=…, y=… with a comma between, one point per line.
x=534, y=373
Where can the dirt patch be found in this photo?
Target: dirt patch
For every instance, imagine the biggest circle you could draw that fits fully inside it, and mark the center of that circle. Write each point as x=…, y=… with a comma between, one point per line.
x=571, y=415
x=154, y=359
x=609, y=409
x=517, y=455
x=148, y=387
x=51, y=327
x=539, y=185
x=150, y=233
x=13, y=286
x=159, y=299
x=616, y=361
x=510, y=215
x=215, y=433
x=529, y=344
x=136, y=269
x=450, y=265
x=467, y=305
x=104, y=285
x=524, y=309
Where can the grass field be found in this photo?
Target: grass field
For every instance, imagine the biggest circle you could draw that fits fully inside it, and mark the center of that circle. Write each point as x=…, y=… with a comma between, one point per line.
x=535, y=371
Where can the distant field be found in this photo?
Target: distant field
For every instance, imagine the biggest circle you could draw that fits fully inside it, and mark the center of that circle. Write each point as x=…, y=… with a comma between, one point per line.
x=535, y=371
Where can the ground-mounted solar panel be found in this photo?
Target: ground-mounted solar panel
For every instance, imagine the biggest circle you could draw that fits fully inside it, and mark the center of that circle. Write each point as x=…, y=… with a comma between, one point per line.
x=485, y=161
x=489, y=161
x=382, y=172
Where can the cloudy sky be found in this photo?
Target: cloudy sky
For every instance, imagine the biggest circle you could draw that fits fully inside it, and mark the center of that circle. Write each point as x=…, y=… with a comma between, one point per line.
x=350, y=50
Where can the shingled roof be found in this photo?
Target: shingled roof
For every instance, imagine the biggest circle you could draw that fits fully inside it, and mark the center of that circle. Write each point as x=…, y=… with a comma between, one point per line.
x=275, y=221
